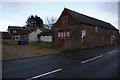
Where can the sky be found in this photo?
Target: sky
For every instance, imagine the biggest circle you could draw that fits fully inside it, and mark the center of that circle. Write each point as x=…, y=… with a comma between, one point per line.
x=16, y=13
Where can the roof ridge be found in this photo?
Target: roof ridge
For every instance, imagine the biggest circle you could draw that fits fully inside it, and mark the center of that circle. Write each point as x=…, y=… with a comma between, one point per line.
x=76, y=14
x=87, y=15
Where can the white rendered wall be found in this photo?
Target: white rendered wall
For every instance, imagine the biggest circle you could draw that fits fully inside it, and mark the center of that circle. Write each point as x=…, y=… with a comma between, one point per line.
x=32, y=37
x=46, y=38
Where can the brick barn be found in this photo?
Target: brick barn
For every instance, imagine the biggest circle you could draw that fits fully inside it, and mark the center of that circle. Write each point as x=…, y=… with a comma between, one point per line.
x=77, y=31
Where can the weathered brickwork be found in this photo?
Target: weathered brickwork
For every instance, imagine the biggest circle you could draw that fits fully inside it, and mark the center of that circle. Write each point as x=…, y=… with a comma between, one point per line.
x=94, y=35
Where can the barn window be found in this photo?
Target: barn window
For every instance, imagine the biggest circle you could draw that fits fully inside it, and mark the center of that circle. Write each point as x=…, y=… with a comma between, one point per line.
x=67, y=34
x=96, y=29
x=61, y=34
x=58, y=34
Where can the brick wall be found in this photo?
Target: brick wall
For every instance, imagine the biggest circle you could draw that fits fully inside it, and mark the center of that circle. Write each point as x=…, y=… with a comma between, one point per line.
x=100, y=38
x=92, y=38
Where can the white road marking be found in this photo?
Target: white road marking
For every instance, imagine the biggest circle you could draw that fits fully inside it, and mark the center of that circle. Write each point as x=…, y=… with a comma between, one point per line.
x=44, y=74
x=61, y=69
x=100, y=56
x=112, y=51
x=85, y=61
x=91, y=59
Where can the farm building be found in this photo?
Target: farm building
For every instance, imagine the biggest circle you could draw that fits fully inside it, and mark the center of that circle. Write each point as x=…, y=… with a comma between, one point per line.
x=5, y=35
x=13, y=29
x=28, y=35
x=74, y=30
x=46, y=36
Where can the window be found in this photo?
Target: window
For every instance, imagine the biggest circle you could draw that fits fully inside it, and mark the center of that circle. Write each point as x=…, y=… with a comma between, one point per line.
x=14, y=31
x=17, y=37
x=58, y=34
x=61, y=34
x=68, y=34
x=96, y=29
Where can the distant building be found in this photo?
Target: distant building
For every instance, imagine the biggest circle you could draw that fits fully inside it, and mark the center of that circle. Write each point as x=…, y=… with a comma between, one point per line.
x=74, y=30
x=13, y=29
x=28, y=35
x=46, y=36
x=5, y=35
x=28, y=27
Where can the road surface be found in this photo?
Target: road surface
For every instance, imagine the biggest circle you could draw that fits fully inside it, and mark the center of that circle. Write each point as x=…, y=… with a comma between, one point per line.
x=101, y=62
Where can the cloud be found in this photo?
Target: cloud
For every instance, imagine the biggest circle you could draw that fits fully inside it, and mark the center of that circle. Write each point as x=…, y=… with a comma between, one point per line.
x=4, y=25
x=104, y=16
x=109, y=17
x=60, y=0
x=14, y=7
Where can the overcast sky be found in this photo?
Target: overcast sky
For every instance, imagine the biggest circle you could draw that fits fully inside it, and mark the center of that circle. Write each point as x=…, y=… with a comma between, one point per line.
x=16, y=13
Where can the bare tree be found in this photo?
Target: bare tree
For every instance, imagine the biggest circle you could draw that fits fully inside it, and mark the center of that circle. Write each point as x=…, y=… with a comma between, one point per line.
x=49, y=22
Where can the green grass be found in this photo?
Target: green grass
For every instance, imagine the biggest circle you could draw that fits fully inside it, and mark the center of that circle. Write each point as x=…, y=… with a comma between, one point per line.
x=46, y=46
x=54, y=47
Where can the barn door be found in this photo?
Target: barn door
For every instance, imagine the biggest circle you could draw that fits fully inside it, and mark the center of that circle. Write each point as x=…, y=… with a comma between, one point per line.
x=59, y=39
x=63, y=37
x=112, y=39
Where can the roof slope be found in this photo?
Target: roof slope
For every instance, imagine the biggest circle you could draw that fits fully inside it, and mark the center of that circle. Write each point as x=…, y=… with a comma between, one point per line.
x=46, y=33
x=26, y=32
x=89, y=20
x=15, y=27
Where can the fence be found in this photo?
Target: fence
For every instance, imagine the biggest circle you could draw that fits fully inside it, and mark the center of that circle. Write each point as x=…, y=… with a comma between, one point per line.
x=9, y=42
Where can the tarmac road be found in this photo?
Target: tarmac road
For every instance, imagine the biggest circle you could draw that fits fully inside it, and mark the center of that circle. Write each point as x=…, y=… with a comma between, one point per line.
x=101, y=62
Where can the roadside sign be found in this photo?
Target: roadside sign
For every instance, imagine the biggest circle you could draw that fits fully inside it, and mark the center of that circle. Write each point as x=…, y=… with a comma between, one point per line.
x=83, y=32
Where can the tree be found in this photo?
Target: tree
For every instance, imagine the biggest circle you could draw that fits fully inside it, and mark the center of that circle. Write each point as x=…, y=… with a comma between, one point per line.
x=34, y=21
x=49, y=22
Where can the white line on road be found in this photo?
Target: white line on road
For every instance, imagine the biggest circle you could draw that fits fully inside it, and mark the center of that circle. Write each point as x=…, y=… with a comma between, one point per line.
x=91, y=59
x=100, y=56
x=44, y=74
x=85, y=61
x=112, y=51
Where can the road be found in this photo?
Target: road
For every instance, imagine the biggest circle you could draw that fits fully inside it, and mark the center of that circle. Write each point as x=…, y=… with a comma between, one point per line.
x=101, y=62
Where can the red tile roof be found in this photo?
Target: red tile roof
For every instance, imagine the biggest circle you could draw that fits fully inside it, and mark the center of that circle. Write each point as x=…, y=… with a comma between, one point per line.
x=46, y=33
x=26, y=32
